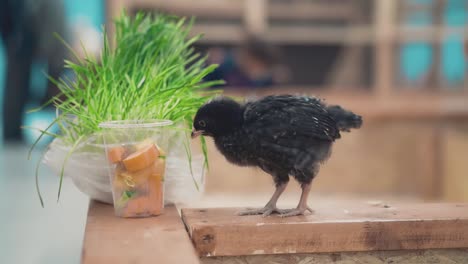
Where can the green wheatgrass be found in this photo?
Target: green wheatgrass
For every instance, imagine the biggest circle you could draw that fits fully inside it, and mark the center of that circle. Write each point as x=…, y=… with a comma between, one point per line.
x=152, y=73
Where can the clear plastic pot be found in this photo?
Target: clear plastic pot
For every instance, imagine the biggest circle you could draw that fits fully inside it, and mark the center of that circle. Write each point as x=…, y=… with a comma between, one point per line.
x=136, y=154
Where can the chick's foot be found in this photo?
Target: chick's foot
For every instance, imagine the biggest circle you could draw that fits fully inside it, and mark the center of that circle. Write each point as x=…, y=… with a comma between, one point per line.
x=294, y=211
x=265, y=211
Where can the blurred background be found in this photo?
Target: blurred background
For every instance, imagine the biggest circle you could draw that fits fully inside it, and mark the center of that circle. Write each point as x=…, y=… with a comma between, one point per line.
x=401, y=64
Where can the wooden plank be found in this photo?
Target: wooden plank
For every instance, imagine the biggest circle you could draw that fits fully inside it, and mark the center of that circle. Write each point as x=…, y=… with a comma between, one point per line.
x=255, y=17
x=455, y=166
x=402, y=105
x=384, y=28
x=233, y=33
x=109, y=239
x=433, y=34
x=431, y=160
x=216, y=33
x=339, y=228
x=312, y=10
x=398, y=107
x=319, y=34
x=201, y=8
x=446, y=256
x=113, y=11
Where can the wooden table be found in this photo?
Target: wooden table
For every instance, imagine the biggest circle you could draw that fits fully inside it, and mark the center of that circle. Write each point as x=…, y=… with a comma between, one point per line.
x=109, y=239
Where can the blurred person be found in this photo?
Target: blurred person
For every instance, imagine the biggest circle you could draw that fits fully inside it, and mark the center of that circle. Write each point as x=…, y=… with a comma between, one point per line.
x=260, y=61
x=27, y=28
x=254, y=65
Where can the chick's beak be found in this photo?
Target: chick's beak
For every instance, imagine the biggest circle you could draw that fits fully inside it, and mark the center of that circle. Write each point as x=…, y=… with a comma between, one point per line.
x=196, y=133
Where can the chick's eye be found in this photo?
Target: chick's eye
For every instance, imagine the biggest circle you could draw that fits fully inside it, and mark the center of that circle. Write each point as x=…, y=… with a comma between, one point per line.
x=202, y=123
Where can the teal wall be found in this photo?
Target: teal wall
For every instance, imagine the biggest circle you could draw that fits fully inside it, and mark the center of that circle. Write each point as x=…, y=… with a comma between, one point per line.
x=417, y=58
x=92, y=11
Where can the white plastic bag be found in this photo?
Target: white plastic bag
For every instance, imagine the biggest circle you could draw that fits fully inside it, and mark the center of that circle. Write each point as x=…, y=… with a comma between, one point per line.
x=88, y=168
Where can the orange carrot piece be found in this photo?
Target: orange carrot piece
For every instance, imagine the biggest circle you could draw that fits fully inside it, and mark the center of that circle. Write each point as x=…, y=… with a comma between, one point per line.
x=137, y=206
x=116, y=154
x=159, y=168
x=143, y=144
x=141, y=159
x=138, y=178
x=156, y=194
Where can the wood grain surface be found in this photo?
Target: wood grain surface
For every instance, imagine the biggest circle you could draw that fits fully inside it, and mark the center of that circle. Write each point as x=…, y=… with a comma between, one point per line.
x=110, y=239
x=433, y=256
x=332, y=228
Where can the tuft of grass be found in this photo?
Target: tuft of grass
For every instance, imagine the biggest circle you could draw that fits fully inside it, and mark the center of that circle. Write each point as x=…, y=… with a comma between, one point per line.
x=152, y=73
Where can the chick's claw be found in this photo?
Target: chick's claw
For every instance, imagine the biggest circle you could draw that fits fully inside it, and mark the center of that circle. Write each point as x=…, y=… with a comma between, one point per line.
x=265, y=211
x=294, y=211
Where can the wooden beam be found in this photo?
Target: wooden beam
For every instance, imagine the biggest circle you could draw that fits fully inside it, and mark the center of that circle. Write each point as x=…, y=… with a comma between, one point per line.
x=234, y=9
x=113, y=10
x=338, y=228
x=320, y=34
x=232, y=33
x=401, y=106
x=432, y=34
x=215, y=33
x=441, y=256
x=350, y=35
x=454, y=152
x=110, y=239
x=204, y=8
x=255, y=17
x=384, y=29
x=295, y=10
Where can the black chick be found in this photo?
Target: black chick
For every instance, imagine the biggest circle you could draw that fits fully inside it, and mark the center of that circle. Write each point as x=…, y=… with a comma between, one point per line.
x=284, y=135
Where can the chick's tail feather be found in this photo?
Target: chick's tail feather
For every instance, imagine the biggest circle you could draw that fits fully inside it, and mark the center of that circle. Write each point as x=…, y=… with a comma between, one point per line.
x=345, y=119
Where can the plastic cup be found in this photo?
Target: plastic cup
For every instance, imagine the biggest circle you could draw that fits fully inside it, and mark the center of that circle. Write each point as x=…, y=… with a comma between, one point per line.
x=136, y=152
